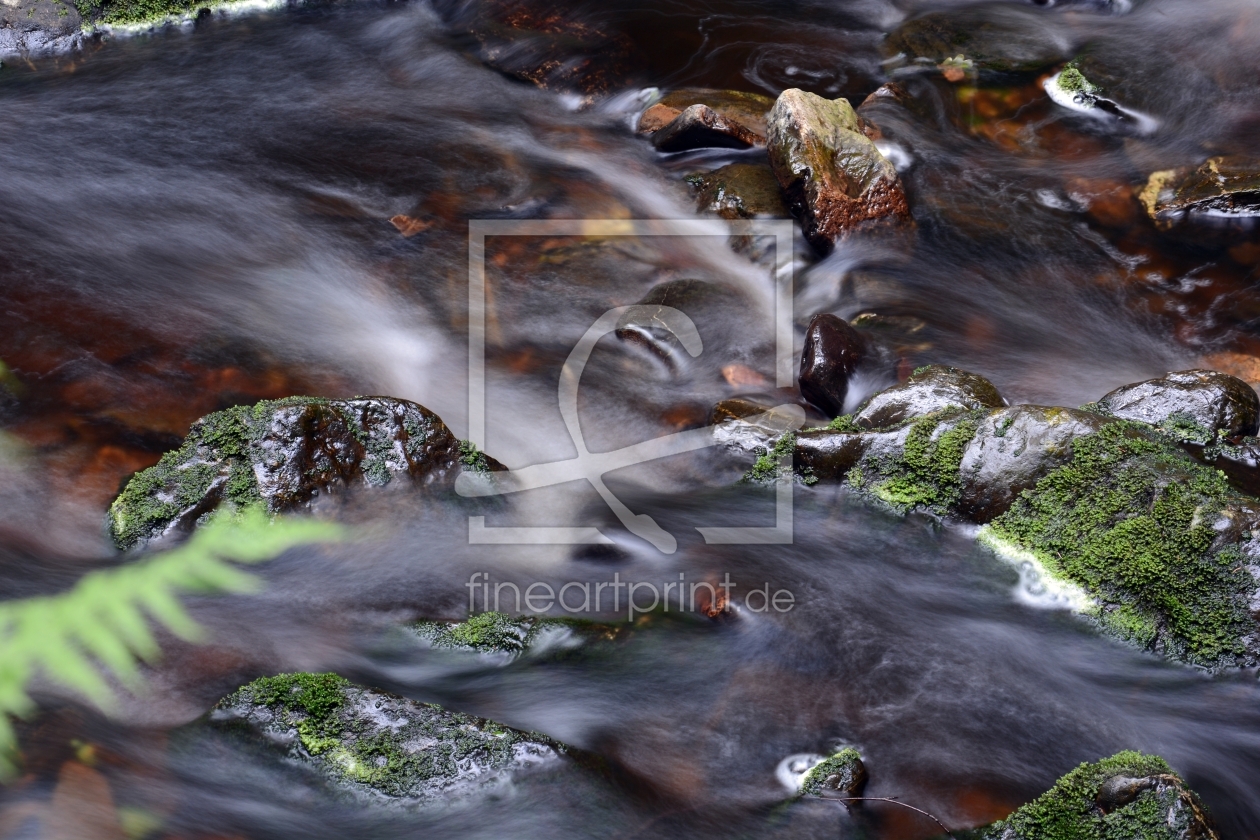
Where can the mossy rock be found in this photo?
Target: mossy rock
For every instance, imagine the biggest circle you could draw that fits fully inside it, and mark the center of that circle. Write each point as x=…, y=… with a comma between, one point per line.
x=841, y=775
x=375, y=743
x=139, y=12
x=284, y=454
x=488, y=632
x=1161, y=542
x=1126, y=796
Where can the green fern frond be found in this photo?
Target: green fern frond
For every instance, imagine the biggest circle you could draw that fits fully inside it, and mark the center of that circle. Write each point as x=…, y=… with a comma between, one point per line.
x=100, y=629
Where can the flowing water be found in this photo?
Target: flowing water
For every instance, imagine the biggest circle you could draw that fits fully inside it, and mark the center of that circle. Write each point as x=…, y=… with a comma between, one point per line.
x=200, y=217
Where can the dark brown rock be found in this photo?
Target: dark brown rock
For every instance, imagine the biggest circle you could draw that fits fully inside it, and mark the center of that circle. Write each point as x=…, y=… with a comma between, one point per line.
x=929, y=389
x=1196, y=405
x=994, y=37
x=1015, y=448
x=1221, y=190
x=739, y=191
x=747, y=109
x=835, y=180
x=701, y=127
x=833, y=351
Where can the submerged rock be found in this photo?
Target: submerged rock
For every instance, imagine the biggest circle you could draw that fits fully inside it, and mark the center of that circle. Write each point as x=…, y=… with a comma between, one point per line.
x=487, y=632
x=841, y=775
x=995, y=37
x=747, y=110
x=1222, y=189
x=284, y=454
x=375, y=743
x=1195, y=405
x=1163, y=549
x=833, y=352
x=739, y=191
x=1126, y=795
x=834, y=177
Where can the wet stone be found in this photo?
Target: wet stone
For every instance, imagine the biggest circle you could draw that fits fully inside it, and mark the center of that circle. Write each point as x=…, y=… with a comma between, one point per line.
x=1221, y=191
x=378, y=745
x=701, y=127
x=836, y=181
x=994, y=37
x=1014, y=449
x=1195, y=405
x=1126, y=795
x=832, y=354
x=744, y=109
x=739, y=191
x=285, y=454
x=38, y=27
x=929, y=389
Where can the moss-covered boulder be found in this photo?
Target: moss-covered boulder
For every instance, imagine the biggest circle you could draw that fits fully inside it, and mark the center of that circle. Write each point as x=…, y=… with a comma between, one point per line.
x=840, y=775
x=1165, y=550
x=375, y=743
x=285, y=454
x=1126, y=796
x=835, y=179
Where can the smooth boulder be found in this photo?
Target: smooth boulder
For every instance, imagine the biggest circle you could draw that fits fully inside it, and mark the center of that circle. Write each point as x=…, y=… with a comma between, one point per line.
x=284, y=454
x=835, y=179
x=993, y=37
x=832, y=354
x=701, y=127
x=929, y=389
x=1195, y=405
x=739, y=191
x=747, y=110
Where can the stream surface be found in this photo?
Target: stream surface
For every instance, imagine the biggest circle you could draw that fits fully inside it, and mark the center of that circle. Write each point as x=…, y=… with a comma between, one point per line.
x=200, y=218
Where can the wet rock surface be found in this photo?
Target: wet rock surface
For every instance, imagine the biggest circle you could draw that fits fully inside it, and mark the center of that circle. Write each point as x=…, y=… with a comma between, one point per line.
x=1005, y=38
x=739, y=191
x=746, y=110
x=1013, y=449
x=378, y=745
x=1222, y=190
x=835, y=179
x=833, y=353
x=929, y=389
x=1126, y=795
x=838, y=776
x=1195, y=405
x=284, y=454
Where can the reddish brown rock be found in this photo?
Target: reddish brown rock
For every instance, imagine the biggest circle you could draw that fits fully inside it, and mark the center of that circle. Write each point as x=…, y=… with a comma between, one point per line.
x=701, y=127
x=836, y=180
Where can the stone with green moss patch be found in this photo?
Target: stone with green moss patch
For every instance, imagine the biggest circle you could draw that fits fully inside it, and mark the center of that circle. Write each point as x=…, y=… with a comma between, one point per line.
x=375, y=743
x=843, y=774
x=766, y=469
x=284, y=454
x=1126, y=796
x=485, y=632
x=1073, y=81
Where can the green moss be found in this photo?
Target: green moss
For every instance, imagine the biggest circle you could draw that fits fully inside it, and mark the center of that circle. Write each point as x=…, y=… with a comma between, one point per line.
x=1132, y=519
x=926, y=474
x=488, y=631
x=1182, y=426
x=473, y=458
x=125, y=12
x=847, y=764
x=1068, y=811
x=765, y=470
x=844, y=423
x=1073, y=81
x=317, y=698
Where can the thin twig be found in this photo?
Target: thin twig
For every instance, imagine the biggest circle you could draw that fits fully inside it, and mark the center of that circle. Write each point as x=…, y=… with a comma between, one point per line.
x=894, y=801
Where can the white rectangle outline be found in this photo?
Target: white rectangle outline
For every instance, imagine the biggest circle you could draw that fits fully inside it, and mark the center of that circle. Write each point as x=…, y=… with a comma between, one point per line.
x=479, y=229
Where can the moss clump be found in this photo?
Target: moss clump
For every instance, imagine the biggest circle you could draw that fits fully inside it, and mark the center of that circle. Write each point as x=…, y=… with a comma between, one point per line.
x=1162, y=810
x=488, y=631
x=925, y=474
x=844, y=423
x=1133, y=519
x=473, y=459
x=766, y=470
x=315, y=698
x=842, y=772
x=127, y=12
x=1073, y=81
